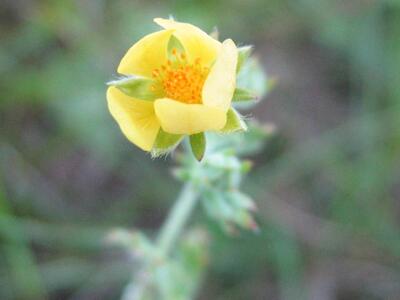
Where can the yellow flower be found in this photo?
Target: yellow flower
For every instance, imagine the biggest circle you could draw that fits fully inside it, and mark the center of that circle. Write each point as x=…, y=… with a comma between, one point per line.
x=192, y=83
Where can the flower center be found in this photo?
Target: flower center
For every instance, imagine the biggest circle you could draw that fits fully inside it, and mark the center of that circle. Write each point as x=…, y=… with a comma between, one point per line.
x=180, y=80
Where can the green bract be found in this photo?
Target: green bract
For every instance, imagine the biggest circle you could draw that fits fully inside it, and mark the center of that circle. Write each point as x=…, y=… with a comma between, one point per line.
x=165, y=142
x=234, y=122
x=198, y=145
x=244, y=54
x=138, y=87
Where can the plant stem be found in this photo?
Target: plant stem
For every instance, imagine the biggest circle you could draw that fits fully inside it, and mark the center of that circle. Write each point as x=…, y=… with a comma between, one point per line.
x=168, y=236
x=177, y=218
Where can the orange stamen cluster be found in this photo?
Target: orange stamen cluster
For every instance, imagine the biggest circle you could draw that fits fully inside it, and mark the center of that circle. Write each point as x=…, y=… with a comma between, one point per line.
x=180, y=80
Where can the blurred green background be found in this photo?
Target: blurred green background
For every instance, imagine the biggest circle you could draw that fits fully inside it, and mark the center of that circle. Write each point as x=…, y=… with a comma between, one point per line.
x=327, y=184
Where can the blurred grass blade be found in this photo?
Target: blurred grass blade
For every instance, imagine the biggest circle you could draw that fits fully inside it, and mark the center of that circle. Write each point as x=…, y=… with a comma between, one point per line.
x=26, y=279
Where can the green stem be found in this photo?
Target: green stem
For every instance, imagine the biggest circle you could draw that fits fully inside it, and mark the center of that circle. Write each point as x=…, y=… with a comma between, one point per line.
x=177, y=218
x=168, y=236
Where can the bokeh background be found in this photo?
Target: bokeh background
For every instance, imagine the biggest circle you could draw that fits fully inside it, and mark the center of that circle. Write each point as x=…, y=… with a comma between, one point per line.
x=327, y=184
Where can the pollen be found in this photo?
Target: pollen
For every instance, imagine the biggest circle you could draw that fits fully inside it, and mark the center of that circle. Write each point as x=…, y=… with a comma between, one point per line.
x=182, y=81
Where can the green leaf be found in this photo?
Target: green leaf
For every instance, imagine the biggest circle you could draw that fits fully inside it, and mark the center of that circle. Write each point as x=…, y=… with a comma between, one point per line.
x=216, y=206
x=244, y=219
x=198, y=144
x=234, y=122
x=165, y=142
x=243, y=54
x=243, y=95
x=240, y=200
x=138, y=87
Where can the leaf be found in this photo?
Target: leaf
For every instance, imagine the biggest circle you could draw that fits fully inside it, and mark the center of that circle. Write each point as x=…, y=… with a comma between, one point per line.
x=243, y=54
x=198, y=144
x=165, y=142
x=243, y=95
x=244, y=219
x=138, y=87
x=240, y=200
x=216, y=205
x=234, y=122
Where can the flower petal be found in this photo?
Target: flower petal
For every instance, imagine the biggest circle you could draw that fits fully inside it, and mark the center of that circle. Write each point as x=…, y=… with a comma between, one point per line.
x=196, y=42
x=146, y=55
x=221, y=81
x=135, y=117
x=182, y=118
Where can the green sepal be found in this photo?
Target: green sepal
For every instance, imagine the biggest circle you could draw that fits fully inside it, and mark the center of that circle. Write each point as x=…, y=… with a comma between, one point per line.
x=174, y=43
x=243, y=54
x=198, y=144
x=243, y=95
x=234, y=122
x=138, y=87
x=214, y=33
x=165, y=142
x=253, y=78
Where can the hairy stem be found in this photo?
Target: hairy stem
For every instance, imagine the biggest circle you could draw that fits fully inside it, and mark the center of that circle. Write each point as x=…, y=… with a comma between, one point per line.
x=177, y=218
x=167, y=238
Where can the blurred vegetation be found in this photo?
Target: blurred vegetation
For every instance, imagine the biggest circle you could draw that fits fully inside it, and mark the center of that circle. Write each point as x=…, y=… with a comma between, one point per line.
x=327, y=186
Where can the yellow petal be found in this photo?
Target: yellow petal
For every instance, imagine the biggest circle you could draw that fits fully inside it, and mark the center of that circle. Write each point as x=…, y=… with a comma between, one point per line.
x=220, y=83
x=182, y=118
x=196, y=42
x=135, y=117
x=146, y=55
